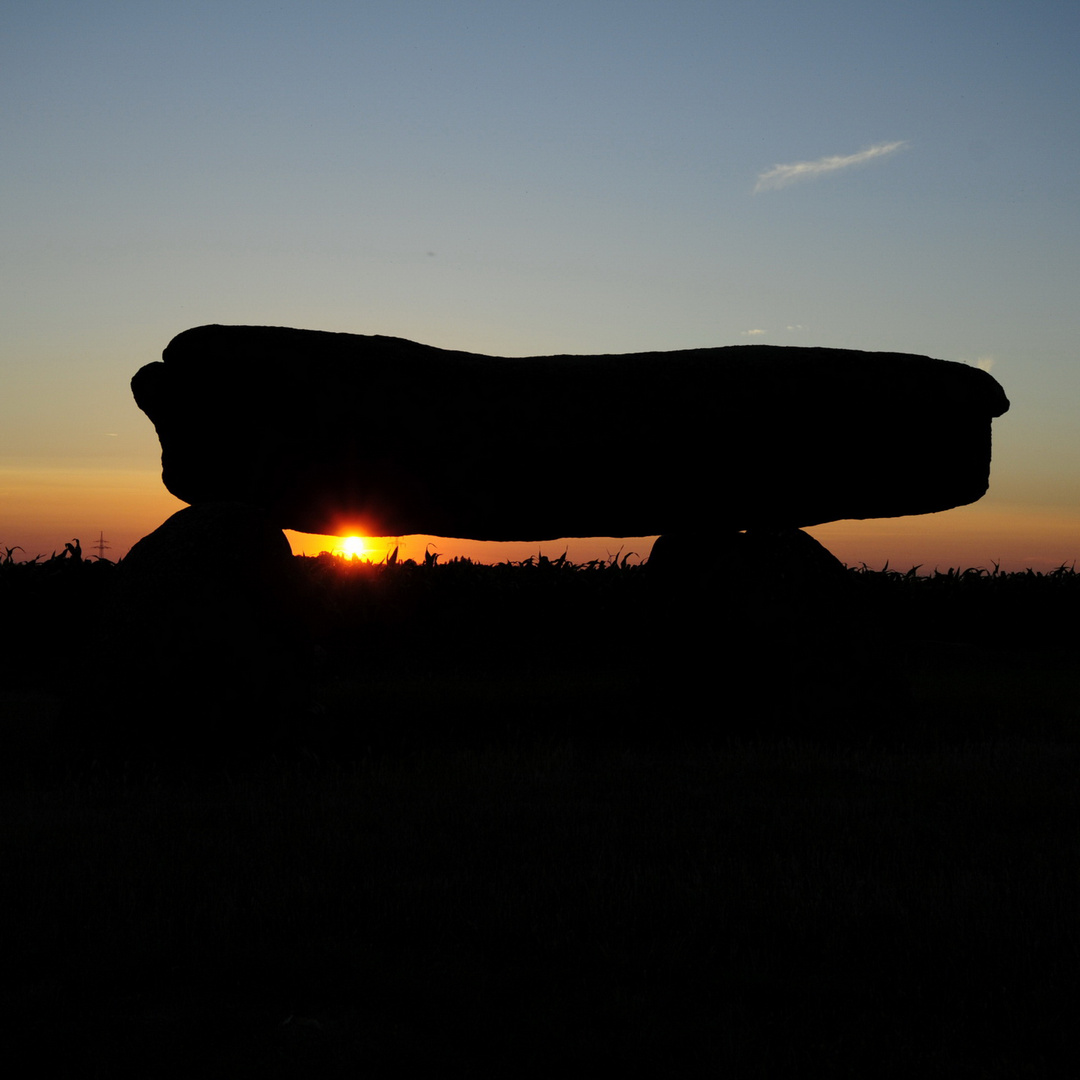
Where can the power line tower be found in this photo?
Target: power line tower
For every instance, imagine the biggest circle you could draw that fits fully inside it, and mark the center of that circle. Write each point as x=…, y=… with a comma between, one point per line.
x=100, y=545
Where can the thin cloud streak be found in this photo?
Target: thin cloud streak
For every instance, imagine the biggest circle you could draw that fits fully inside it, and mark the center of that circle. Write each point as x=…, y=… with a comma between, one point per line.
x=781, y=175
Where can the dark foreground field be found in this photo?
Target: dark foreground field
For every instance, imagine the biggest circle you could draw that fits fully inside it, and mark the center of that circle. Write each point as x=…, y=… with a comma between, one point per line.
x=541, y=819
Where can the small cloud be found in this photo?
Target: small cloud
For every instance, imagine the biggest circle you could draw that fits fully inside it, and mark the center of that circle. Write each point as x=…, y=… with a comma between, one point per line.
x=781, y=175
x=111, y=435
x=752, y=333
x=796, y=326
x=985, y=363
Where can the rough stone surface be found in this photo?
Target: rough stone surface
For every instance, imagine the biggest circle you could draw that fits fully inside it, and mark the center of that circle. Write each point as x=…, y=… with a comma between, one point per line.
x=337, y=433
x=762, y=633
x=207, y=625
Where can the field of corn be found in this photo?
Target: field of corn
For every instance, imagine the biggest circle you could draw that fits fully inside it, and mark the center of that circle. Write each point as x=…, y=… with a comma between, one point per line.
x=538, y=817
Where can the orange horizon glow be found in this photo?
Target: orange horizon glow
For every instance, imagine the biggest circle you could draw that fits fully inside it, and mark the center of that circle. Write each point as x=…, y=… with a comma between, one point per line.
x=982, y=535
x=44, y=507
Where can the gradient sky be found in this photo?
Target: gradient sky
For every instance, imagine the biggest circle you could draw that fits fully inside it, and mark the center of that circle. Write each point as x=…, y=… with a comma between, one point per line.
x=523, y=177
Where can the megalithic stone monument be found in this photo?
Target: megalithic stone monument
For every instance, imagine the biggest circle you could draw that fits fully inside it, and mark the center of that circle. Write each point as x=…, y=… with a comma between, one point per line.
x=337, y=433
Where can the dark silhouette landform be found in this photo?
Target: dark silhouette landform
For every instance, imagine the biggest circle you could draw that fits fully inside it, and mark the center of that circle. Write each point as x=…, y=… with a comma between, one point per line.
x=221, y=625
x=341, y=433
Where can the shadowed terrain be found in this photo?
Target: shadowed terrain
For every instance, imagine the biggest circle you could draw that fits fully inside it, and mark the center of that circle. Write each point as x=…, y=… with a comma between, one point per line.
x=494, y=844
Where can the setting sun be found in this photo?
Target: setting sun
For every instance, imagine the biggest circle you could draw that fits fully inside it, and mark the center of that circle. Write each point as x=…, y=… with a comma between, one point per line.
x=354, y=545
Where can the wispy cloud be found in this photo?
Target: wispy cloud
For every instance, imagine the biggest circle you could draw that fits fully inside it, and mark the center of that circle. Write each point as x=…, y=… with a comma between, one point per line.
x=781, y=175
x=752, y=333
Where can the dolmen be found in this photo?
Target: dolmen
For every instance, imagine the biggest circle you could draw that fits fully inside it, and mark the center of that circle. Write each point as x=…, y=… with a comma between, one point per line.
x=725, y=452
x=348, y=433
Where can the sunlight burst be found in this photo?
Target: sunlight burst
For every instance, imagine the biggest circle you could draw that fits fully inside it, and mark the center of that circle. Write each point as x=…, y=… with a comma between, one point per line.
x=354, y=545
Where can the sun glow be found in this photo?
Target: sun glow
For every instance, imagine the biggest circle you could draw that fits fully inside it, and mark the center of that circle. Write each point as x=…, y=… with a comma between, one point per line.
x=354, y=546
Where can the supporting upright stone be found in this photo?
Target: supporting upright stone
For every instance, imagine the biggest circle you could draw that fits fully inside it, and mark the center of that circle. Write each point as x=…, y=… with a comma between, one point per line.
x=210, y=637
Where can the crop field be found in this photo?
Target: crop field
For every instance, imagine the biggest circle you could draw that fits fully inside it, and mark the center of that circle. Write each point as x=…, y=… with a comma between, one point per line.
x=532, y=818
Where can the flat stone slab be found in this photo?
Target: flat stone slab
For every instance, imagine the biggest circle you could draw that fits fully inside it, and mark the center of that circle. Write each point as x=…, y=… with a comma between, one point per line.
x=351, y=433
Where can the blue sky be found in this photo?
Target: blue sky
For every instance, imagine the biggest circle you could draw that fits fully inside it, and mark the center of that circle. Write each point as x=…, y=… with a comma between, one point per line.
x=525, y=178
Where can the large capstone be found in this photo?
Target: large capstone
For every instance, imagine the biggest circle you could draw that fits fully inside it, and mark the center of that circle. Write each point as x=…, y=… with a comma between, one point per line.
x=337, y=433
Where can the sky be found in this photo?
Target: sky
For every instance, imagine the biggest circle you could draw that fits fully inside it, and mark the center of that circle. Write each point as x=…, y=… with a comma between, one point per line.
x=519, y=177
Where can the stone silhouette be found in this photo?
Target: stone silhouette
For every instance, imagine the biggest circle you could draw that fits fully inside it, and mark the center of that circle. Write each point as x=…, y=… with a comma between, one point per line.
x=209, y=616
x=336, y=433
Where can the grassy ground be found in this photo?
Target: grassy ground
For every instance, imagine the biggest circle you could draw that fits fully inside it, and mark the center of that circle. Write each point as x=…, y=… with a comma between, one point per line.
x=499, y=855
